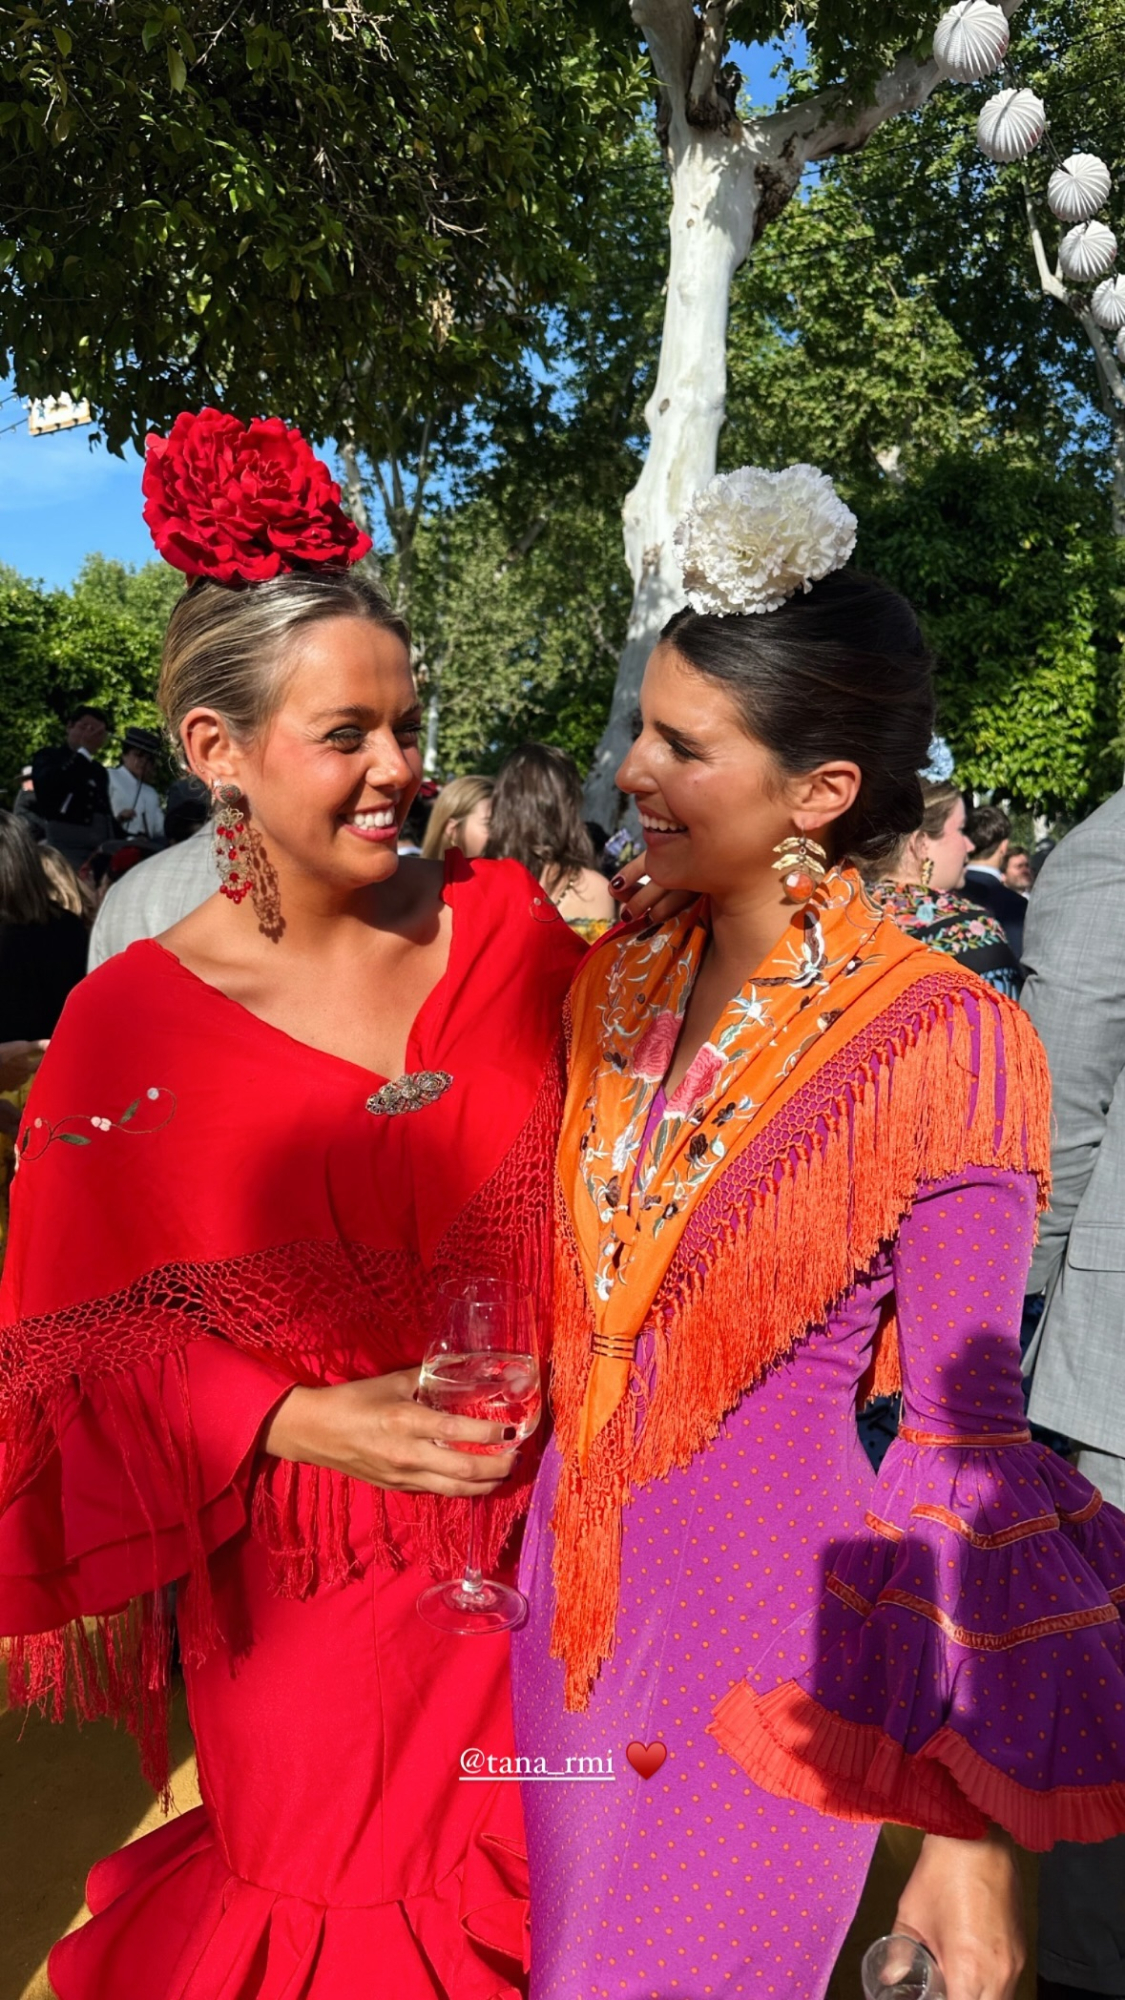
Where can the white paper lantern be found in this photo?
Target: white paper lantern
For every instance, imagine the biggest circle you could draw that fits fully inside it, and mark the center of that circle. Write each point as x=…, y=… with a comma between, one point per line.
x=971, y=40
x=1011, y=125
x=1087, y=252
x=1108, y=304
x=1077, y=189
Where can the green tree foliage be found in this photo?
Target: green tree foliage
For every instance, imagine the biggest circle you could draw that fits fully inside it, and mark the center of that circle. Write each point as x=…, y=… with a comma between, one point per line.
x=519, y=643
x=841, y=356
x=848, y=351
x=1017, y=577
x=568, y=428
x=334, y=210
x=99, y=642
x=847, y=46
x=960, y=223
x=27, y=676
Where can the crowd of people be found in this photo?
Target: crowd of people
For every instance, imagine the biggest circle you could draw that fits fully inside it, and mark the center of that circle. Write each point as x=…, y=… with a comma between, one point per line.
x=772, y=1146
x=951, y=883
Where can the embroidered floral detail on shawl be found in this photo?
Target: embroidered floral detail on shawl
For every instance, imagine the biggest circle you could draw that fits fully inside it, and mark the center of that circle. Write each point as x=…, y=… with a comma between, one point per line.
x=148, y=1112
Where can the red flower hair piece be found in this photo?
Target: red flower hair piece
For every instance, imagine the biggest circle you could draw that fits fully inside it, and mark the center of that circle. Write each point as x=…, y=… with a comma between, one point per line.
x=239, y=503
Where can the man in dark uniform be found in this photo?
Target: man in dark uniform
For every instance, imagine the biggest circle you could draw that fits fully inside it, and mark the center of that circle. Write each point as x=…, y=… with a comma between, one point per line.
x=72, y=788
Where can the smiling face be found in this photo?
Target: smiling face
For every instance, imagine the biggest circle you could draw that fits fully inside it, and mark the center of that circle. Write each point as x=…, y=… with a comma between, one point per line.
x=713, y=801
x=332, y=776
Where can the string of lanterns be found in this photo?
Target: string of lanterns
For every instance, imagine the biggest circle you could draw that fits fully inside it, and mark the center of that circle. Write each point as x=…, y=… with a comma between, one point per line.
x=970, y=44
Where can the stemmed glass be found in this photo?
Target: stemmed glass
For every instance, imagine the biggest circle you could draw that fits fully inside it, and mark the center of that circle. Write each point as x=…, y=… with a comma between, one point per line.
x=483, y=1363
x=899, y=1968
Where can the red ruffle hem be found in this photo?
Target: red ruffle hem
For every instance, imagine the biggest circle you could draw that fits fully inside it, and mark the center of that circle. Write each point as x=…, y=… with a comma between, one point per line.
x=169, y=1917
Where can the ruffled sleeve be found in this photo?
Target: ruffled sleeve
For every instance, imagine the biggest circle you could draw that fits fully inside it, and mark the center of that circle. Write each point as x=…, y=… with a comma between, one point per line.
x=147, y=1472
x=135, y=1480
x=966, y=1663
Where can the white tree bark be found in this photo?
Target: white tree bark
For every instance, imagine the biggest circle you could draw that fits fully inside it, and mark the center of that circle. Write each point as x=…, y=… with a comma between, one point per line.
x=729, y=179
x=1111, y=378
x=355, y=502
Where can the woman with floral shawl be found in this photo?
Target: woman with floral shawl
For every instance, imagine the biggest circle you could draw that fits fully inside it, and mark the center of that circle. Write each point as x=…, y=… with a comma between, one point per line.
x=802, y=1157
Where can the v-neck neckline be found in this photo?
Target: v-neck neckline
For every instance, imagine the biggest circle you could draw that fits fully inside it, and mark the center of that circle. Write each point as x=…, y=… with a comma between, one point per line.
x=270, y=1028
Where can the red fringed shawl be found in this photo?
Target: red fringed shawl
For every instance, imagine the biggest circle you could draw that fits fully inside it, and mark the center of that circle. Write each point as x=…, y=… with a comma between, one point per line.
x=205, y=1213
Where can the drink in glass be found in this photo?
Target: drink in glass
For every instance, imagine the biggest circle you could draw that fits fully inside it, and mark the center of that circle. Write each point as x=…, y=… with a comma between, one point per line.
x=482, y=1363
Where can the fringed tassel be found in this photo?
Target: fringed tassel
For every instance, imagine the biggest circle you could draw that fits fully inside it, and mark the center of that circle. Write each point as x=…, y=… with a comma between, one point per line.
x=885, y=1375
x=300, y=1514
x=116, y=1665
x=916, y=1112
x=143, y=1423
x=303, y=1517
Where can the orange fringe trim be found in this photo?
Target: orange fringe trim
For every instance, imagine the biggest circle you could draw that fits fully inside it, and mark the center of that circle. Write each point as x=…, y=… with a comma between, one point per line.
x=916, y=1111
x=793, y=1748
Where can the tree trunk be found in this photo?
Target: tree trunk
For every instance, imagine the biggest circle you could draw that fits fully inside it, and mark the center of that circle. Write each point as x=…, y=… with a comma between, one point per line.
x=1119, y=471
x=433, y=724
x=729, y=180
x=355, y=502
x=714, y=203
x=1111, y=378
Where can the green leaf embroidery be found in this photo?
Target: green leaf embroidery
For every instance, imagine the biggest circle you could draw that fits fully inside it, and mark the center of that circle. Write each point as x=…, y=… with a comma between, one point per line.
x=73, y=1139
x=130, y=1112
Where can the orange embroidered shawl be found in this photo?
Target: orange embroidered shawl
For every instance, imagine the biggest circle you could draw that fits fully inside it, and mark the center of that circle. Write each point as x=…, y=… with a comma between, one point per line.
x=837, y=1083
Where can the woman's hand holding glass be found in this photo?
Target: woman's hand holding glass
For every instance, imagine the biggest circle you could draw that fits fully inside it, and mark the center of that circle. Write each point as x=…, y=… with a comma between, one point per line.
x=375, y=1430
x=963, y=1902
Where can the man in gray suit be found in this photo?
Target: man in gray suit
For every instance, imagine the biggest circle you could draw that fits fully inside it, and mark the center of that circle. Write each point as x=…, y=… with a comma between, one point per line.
x=153, y=896
x=1074, y=954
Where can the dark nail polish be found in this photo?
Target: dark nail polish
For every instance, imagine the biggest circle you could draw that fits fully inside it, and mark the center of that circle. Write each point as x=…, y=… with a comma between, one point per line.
x=617, y=883
x=510, y=1431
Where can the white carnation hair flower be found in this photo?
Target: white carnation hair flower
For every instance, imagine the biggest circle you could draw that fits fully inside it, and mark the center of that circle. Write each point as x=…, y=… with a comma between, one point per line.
x=752, y=538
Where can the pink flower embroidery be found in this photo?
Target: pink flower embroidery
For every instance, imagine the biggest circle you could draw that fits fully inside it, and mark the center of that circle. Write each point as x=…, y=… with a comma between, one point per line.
x=656, y=1047
x=699, y=1081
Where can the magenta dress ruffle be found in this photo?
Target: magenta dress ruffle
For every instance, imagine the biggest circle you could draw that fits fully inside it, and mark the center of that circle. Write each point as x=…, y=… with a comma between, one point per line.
x=819, y=1651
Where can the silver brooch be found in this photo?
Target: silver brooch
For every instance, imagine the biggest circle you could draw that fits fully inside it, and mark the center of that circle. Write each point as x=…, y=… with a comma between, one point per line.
x=410, y=1093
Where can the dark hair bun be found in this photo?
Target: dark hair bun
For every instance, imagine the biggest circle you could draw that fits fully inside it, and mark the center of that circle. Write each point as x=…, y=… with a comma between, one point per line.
x=839, y=671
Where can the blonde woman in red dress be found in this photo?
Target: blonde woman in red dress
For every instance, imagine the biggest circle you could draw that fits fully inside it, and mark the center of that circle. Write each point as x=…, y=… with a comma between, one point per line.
x=255, y=1149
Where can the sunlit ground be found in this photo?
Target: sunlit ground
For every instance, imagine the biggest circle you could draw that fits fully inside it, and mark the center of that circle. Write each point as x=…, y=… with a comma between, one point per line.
x=69, y=1796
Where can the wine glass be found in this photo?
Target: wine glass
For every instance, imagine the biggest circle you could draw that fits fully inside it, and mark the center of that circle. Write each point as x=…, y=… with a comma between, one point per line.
x=483, y=1363
x=899, y=1968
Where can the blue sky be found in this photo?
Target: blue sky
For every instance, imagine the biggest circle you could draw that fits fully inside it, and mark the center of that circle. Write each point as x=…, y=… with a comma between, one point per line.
x=62, y=498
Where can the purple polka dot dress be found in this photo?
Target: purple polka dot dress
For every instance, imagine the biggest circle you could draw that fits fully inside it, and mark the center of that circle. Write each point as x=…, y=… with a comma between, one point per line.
x=775, y=1561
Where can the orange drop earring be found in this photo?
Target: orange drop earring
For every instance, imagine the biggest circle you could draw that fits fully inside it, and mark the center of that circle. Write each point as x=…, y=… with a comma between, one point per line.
x=802, y=863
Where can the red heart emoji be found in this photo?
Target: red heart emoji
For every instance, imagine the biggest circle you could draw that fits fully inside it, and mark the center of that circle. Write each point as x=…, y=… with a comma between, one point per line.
x=646, y=1758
